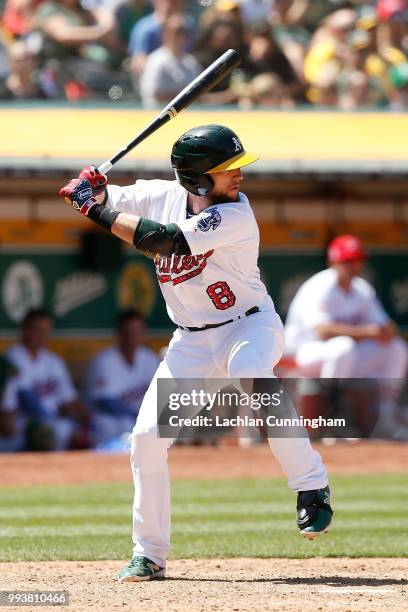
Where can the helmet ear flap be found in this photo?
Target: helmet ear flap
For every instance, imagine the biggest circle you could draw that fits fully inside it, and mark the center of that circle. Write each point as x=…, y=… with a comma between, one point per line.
x=199, y=184
x=205, y=184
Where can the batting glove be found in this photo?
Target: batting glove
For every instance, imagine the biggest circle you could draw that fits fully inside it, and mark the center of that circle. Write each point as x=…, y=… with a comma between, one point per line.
x=98, y=181
x=78, y=192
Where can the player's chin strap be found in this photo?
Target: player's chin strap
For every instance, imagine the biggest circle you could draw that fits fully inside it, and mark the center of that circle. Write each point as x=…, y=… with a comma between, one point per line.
x=156, y=240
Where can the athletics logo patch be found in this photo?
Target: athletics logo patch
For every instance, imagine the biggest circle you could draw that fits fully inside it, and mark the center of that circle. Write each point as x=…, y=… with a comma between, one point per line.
x=212, y=220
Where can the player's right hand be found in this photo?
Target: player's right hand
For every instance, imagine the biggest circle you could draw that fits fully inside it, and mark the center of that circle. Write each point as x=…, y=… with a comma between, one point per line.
x=382, y=333
x=98, y=181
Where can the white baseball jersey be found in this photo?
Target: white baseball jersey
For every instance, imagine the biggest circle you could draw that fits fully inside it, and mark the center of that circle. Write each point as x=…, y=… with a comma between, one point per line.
x=321, y=300
x=111, y=376
x=46, y=375
x=220, y=279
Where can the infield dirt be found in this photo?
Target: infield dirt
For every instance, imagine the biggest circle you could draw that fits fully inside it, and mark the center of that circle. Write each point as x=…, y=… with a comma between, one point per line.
x=225, y=584
x=214, y=584
x=197, y=462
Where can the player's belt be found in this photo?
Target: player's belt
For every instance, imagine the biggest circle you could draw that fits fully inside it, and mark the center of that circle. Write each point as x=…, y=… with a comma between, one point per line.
x=252, y=310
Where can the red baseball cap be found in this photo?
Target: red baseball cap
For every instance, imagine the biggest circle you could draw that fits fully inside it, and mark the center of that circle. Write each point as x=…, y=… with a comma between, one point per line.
x=345, y=248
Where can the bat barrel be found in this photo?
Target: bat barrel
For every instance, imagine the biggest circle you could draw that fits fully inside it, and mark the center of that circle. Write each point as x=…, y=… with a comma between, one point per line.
x=205, y=81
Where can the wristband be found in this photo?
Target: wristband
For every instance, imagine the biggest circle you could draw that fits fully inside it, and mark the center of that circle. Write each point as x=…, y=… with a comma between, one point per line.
x=105, y=217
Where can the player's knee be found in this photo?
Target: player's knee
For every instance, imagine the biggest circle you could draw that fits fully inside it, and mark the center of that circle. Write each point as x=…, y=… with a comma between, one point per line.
x=248, y=363
x=148, y=452
x=341, y=347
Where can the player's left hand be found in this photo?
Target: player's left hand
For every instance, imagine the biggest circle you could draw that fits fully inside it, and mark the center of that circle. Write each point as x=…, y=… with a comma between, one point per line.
x=78, y=192
x=98, y=181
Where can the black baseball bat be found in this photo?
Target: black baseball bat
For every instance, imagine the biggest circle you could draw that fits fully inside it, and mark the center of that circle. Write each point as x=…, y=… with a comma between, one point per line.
x=205, y=81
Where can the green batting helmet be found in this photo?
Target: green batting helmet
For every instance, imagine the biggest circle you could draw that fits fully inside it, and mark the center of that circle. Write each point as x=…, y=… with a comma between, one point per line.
x=204, y=150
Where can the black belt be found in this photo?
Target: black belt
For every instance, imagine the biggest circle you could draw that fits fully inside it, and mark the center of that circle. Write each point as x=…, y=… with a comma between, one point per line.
x=252, y=310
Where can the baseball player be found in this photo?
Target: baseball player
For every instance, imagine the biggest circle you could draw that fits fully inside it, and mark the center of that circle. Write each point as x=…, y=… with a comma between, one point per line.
x=118, y=378
x=12, y=436
x=203, y=236
x=337, y=328
x=43, y=392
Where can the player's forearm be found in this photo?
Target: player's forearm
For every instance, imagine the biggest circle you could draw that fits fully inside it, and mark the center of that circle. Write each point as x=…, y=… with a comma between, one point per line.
x=153, y=239
x=124, y=227
x=357, y=332
x=149, y=237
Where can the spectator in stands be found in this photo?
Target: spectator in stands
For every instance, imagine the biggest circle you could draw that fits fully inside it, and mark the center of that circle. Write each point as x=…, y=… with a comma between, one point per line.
x=398, y=76
x=43, y=394
x=4, y=66
x=393, y=17
x=223, y=10
x=23, y=81
x=358, y=85
x=82, y=41
x=289, y=12
x=287, y=19
x=324, y=59
x=127, y=14
x=337, y=328
x=213, y=41
x=146, y=35
x=255, y=11
x=266, y=56
x=357, y=67
x=317, y=10
x=381, y=54
x=118, y=378
x=19, y=17
x=69, y=29
x=266, y=90
x=168, y=69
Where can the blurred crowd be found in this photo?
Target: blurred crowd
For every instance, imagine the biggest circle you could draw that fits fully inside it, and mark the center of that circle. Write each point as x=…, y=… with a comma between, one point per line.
x=328, y=53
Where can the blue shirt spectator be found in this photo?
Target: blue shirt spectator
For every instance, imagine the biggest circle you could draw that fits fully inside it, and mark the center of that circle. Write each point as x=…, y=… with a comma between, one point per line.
x=146, y=35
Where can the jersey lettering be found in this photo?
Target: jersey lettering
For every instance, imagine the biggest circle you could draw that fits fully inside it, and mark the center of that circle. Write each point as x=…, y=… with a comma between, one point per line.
x=183, y=266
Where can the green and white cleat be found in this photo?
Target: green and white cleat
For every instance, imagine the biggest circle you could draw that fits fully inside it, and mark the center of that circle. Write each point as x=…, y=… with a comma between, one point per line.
x=313, y=512
x=140, y=568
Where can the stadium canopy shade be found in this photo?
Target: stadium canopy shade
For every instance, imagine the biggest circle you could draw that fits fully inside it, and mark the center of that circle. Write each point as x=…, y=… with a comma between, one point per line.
x=48, y=139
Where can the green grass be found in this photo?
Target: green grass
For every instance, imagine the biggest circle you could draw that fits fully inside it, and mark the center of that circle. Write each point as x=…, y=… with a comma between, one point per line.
x=210, y=518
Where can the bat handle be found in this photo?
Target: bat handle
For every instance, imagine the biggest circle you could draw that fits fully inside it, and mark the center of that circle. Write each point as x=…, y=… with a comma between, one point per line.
x=105, y=167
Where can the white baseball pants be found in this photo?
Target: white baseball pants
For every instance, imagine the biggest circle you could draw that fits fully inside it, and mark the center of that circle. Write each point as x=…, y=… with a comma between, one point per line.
x=246, y=348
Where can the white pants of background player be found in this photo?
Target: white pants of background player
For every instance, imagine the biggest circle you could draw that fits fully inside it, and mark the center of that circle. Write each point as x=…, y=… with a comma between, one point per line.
x=246, y=348
x=343, y=357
